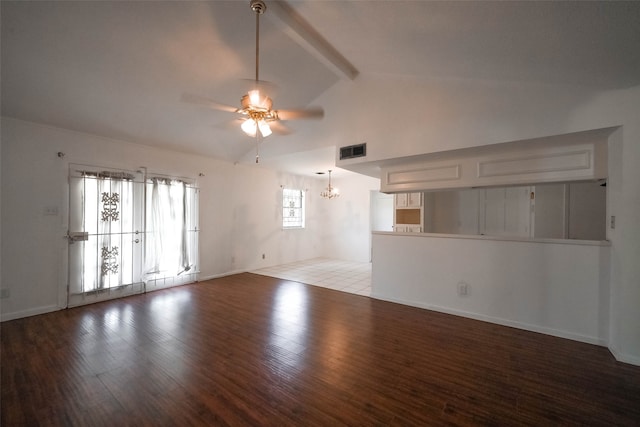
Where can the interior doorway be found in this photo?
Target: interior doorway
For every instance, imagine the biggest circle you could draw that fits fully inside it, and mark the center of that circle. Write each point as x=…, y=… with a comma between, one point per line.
x=381, y=213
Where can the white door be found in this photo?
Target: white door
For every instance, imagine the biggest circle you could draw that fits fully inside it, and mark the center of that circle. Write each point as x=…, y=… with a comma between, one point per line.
x=106, y=230
x=381, y=214
x=381, y=211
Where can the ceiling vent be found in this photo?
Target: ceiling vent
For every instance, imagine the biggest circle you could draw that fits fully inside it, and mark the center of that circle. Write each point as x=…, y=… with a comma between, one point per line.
x=353, y=151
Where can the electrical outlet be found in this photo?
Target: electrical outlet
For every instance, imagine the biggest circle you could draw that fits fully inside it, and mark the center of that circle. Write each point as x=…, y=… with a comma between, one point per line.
x=4, y=293
x=463, y=288
x=613, y=221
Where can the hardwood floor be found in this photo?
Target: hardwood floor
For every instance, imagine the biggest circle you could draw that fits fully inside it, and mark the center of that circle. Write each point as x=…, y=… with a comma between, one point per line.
x=254, y=350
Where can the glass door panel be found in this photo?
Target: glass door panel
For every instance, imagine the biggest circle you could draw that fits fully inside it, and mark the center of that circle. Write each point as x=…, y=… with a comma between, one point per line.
x=106, y=223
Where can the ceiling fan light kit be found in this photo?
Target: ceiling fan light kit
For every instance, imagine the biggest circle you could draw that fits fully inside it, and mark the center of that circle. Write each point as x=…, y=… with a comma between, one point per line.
x=257, y=110
x=250, y=126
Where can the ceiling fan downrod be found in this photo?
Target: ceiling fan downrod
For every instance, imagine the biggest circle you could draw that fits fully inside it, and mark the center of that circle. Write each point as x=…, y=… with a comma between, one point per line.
x=259, y=7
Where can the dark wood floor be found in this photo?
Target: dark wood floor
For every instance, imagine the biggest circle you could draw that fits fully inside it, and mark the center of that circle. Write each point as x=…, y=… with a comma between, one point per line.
x=254, y=350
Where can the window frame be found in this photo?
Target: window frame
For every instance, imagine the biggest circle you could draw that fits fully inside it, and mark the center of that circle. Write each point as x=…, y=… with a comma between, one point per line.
x=301, y=197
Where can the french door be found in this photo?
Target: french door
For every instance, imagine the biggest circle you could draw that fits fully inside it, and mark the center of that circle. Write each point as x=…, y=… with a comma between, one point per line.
x=129, y=233
x=106, y=234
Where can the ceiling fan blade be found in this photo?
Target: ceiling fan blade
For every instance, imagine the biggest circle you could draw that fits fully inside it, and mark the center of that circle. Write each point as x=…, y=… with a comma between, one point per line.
x=302, y=113
x=206, y=102
x=280, y=128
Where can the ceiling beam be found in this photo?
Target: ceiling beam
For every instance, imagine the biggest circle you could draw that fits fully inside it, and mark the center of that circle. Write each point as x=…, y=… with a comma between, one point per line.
x=296, y=27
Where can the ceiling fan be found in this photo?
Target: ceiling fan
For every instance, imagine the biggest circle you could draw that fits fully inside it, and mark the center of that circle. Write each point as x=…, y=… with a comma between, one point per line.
x=256, y=114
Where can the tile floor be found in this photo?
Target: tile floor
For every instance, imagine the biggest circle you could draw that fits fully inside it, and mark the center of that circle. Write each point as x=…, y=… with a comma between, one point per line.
x=346, y=276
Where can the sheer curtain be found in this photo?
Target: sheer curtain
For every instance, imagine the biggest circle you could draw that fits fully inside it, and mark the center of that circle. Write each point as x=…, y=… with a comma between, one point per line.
x=169, y=245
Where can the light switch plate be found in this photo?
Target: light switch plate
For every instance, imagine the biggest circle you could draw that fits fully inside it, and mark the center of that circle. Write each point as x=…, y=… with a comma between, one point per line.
x=50, y=210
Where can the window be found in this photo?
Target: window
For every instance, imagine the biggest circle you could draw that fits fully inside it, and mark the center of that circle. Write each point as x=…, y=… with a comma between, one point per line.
x=292, y=208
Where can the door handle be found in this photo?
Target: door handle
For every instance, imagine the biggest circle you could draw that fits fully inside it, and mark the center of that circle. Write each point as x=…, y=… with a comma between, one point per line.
x=77, y=236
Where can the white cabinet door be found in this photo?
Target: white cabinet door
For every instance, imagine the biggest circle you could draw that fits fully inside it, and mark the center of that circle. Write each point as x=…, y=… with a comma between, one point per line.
x=401, y=200
x=414, y=200
x=506, y=212
x=408, y=200
x=404, y=216
x=518, y=211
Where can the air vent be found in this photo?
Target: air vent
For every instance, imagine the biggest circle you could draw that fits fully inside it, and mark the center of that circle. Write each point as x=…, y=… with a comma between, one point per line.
x=353, y=151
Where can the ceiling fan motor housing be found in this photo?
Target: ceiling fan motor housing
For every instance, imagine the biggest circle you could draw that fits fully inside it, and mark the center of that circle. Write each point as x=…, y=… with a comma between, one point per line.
x=260, y=103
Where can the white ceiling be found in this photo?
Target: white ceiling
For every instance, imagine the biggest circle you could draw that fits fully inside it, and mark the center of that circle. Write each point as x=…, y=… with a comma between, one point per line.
x=118, y=69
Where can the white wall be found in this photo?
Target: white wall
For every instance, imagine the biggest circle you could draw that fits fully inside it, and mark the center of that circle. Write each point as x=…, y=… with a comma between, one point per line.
x=623, y=193
x=240, y=211
x=446, y=114
x=554, y=288
x=348, y=232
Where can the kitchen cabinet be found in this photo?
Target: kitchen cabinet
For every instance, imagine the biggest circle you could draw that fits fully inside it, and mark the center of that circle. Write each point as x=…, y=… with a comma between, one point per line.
x=408, y=213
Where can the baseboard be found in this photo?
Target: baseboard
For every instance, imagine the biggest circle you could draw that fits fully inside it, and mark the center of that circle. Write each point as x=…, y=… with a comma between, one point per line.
x=500, y=321
x=622, y=357
x=30, y=312
x=48, y=309
x=218, y=276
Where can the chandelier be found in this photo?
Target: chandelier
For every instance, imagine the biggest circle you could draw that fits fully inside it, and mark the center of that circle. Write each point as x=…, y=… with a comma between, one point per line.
x=330, y=192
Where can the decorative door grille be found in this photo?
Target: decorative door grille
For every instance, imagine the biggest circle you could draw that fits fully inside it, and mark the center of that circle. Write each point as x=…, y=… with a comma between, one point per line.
x=106, y=208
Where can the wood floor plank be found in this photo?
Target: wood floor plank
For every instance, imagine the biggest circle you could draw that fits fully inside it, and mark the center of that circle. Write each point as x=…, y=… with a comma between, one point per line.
x=254, y=350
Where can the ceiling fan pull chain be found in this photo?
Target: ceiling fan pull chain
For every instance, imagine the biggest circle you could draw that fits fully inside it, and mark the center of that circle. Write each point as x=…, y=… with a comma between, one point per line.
x=257, y=145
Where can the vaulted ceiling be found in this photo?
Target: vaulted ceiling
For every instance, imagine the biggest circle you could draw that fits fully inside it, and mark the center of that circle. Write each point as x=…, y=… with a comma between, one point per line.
x=118, y=69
